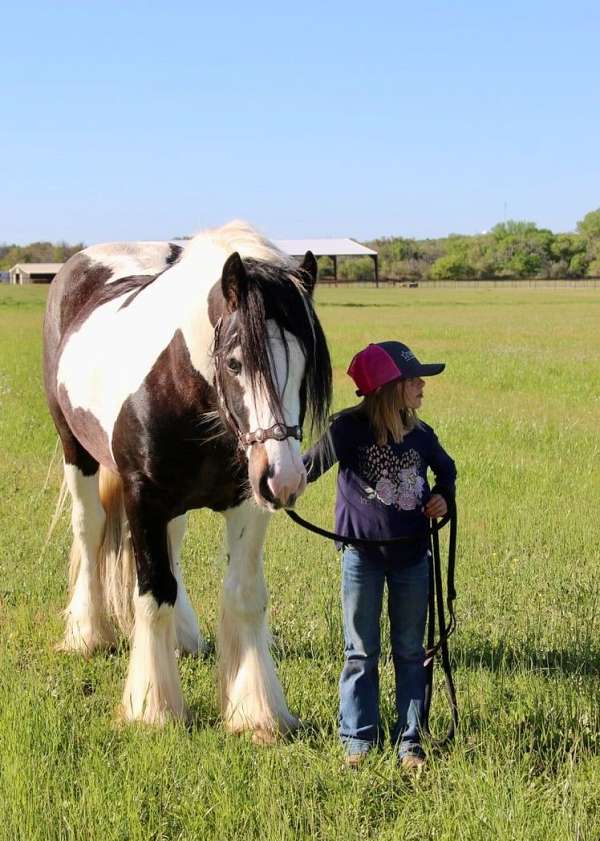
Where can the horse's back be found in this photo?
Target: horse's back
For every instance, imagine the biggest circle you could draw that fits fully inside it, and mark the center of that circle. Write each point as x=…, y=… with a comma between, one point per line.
x=92, y=274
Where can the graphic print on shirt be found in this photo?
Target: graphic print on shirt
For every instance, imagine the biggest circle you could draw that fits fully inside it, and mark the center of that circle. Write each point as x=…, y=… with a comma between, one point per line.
x=392, y=479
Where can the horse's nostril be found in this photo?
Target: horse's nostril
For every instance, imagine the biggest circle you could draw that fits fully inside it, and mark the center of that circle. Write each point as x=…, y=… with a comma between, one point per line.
x=265, y=490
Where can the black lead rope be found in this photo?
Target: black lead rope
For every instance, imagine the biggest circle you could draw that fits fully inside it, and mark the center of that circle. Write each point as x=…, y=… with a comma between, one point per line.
x=436, y=600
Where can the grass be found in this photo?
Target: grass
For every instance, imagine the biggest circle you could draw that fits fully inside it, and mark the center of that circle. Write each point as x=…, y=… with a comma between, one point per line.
x=519, y=409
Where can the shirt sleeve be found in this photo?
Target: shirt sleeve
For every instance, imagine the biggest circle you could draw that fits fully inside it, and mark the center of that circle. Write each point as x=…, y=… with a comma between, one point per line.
x=444, y=470
x=326, y=452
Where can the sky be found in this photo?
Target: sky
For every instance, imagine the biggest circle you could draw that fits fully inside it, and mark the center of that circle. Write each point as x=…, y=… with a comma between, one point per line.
x=149, y=120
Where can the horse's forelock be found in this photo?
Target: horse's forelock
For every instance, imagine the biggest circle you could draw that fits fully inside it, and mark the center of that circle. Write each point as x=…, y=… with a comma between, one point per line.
x=276, y=293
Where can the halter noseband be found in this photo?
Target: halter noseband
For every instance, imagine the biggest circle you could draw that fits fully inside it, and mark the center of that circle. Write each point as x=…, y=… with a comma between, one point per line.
x=277, y=432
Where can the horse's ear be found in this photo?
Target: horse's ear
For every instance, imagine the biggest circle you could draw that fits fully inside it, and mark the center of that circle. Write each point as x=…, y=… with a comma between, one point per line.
x=310, y=269
x=233, y=281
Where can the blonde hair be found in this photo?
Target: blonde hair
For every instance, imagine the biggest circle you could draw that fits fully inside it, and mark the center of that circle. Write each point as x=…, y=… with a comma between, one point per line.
x=388, y=413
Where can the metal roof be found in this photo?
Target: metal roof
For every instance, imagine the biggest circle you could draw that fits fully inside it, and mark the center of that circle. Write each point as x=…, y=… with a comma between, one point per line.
x=38, y=268
x=324, y=247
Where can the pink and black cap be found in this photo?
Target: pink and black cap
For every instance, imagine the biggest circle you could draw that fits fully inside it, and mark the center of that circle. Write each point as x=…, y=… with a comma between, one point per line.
x=381, y=363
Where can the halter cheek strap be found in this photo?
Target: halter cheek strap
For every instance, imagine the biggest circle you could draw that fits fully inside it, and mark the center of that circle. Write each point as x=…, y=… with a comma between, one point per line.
x=277, y=432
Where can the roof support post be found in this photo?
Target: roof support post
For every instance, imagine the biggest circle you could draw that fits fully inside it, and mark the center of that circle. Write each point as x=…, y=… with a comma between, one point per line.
x=376, y=267
x=335, y=267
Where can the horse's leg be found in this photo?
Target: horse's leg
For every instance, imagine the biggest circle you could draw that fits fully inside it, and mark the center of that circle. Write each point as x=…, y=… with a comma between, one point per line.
x=189, y=638
x=250, y=692
x=87, y=626
x=152, y=690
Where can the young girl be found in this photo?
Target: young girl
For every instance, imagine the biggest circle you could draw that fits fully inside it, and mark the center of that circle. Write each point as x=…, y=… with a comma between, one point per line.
x=383, y=451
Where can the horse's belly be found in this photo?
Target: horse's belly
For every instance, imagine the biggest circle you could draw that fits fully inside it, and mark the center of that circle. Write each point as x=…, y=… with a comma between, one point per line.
x=87, y=428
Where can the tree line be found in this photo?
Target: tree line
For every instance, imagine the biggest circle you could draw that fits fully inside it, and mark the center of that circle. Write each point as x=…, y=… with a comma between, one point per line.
x=36, y=252
x=509, y=249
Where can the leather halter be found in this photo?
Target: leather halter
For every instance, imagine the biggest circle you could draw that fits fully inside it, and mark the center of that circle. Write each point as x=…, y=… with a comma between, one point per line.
x=277, y=432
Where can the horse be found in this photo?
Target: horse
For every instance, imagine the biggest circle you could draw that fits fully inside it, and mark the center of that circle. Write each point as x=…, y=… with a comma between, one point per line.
x=178, y=376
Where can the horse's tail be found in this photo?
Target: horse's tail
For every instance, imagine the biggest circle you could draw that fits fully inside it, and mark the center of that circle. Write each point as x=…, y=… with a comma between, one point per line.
x=116, y=562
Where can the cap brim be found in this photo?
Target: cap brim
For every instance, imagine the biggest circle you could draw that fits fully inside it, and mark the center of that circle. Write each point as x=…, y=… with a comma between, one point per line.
x=430, y=370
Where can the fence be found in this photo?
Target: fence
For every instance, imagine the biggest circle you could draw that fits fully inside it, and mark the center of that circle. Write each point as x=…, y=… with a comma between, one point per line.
x=471, y=283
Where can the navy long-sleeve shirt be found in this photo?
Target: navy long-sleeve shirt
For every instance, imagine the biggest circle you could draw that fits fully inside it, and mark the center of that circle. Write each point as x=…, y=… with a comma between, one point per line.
x=381, y=490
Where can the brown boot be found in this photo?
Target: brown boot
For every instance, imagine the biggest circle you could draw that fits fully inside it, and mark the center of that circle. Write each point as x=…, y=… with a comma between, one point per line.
x=355, y=760
x=414, y=762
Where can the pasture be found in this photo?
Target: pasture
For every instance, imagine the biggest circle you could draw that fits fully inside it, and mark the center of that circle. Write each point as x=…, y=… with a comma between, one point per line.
x=519, y=409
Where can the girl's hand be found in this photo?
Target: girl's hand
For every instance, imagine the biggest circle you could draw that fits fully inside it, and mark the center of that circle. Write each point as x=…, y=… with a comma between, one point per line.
x=436, y=507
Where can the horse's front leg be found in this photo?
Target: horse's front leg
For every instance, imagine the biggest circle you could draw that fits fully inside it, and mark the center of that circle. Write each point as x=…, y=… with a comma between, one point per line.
x=250, y=692
x=153, y=688
x=189, y=638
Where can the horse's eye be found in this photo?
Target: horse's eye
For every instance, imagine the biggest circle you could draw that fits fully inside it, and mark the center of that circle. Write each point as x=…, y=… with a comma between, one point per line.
x=234, y=365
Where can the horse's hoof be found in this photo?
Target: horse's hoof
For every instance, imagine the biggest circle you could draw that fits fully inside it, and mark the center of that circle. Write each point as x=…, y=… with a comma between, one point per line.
x=264, y=737
x=268, y=736
x=85, y=646
x=152, y=719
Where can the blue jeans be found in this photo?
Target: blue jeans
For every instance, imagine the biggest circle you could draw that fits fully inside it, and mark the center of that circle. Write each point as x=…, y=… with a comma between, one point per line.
x=363, y=582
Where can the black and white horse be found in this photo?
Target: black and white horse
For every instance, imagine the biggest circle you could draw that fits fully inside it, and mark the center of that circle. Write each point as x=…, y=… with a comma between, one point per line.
x=178, y=377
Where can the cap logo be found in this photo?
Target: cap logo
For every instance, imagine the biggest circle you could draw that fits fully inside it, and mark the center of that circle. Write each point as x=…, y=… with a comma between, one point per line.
x=407, y=354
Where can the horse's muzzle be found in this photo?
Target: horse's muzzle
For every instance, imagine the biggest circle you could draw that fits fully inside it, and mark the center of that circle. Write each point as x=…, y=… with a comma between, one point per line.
x=275, y=495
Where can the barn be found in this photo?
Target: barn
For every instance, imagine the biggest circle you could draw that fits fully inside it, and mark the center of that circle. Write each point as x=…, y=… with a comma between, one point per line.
x=33, y=273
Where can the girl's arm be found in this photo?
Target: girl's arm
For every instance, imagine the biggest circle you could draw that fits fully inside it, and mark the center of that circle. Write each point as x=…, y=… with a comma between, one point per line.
x=444, y=471
x=319, y=458
x=326, y=452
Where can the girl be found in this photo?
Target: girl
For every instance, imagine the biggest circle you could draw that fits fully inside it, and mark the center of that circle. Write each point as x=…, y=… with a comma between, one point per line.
x=383, y=451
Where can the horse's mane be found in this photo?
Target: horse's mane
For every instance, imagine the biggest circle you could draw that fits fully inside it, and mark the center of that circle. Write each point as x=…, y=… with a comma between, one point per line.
x=239, y=236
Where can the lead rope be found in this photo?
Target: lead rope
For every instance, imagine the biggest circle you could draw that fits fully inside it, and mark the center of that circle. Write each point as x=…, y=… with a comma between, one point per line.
x=436, y=599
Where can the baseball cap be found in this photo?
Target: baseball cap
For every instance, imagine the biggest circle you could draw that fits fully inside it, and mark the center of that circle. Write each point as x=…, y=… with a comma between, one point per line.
x=381, y=363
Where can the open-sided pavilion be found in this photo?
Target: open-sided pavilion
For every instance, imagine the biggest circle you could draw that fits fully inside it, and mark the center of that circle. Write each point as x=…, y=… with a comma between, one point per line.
x=329, y=247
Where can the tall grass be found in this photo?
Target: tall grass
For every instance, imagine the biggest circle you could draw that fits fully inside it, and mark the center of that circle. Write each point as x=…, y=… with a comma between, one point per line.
x=519, y=409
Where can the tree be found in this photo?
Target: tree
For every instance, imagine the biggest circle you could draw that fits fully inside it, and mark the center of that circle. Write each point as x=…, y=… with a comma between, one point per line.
x=452, y=266
x=589, y=226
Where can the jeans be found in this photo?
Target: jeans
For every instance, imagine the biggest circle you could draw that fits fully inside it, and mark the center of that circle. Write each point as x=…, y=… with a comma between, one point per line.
x=363, y=582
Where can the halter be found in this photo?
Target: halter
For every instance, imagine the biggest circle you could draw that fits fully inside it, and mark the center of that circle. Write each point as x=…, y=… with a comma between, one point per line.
x=277, y=432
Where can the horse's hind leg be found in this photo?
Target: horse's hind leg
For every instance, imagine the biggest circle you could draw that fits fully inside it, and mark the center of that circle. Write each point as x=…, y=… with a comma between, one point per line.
x=87, y=626
x=189, y=638
x=152, y=690
x=250, y=692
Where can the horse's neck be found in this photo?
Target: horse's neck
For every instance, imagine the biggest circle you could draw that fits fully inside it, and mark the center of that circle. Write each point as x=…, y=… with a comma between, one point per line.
x=197, y=273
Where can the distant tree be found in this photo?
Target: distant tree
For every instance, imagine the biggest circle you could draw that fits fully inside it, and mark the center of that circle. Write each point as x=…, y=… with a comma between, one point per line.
x=452, y=266
x=356, y=269
x=569, y=254
x=522, y=249
x=513, y=228
x=37, y=252
x=589, y=226
x=325, y=266
x=579, y=265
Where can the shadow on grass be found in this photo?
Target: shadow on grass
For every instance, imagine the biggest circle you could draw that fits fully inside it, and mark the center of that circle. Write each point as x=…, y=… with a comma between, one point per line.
x=503, y=657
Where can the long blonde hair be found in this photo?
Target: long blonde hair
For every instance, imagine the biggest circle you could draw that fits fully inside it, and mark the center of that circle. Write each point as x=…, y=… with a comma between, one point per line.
x=388, y=414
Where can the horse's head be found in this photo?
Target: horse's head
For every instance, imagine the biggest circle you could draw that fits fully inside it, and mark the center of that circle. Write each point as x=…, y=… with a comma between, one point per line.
x=272, y=368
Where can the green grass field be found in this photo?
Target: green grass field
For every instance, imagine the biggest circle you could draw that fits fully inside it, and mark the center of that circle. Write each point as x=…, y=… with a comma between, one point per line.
x=519, y=409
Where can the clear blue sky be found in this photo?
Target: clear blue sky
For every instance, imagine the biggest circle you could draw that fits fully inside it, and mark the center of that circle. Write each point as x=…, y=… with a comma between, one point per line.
x=146, y=120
